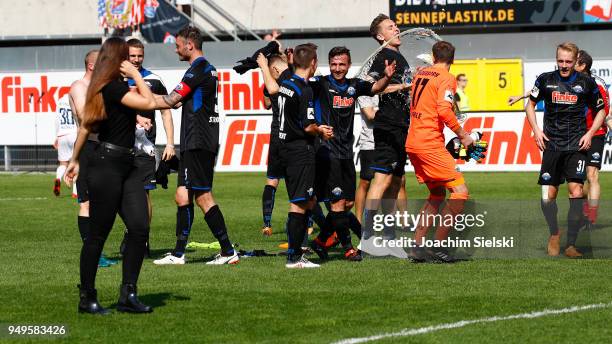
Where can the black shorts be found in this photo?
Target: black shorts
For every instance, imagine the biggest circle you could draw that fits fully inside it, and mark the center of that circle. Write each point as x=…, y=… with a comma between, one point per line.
x=335, y=179
x=145, y=169
x=298, y=160
x=366, y=160
x=84, y=162
x=299, y=180
x=595, y=153
x=557, y=167
x=196, y=169
x=390, y=156
x=275, y=165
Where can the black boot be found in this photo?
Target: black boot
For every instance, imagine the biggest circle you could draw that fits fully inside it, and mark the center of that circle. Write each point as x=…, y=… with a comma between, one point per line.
x=89, y=302
x=128, y=300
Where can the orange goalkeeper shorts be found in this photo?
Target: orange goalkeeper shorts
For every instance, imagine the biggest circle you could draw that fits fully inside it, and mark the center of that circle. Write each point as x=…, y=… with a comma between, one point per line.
x=436, y=168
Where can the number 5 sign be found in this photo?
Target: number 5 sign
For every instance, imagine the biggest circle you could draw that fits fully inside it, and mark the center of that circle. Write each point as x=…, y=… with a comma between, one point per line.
x=491, y=82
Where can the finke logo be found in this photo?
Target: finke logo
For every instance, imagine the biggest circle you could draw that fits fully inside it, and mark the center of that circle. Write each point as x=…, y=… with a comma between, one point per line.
x=243, y=134
x=37, y=98
x=564, y=98
x=343, y=101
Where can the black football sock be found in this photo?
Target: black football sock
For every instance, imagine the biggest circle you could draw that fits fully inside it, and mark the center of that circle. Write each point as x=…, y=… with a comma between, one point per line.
x=216, y=223
x=327, y=229
x=574, y=220
x=354, y=224
x=83, y=222
x=267, y=204
x=317, y=215
x=550, y=209
x=184, y=221
x=296, y=226
x=340, y=223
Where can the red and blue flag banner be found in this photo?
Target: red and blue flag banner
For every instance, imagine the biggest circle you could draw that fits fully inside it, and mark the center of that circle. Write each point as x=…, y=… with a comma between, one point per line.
x=120, y=13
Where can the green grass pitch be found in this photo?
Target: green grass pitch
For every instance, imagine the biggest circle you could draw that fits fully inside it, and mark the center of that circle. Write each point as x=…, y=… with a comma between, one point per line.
x=260, y=301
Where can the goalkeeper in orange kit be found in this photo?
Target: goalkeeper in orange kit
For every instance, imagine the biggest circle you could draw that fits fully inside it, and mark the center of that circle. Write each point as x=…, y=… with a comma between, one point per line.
x=431, y=109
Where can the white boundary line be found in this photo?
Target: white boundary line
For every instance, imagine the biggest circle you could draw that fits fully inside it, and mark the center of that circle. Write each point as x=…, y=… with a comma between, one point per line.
x=413, y=332
x=23, y=199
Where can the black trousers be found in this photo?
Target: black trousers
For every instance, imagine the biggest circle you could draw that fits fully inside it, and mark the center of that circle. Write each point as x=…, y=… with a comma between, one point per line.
x=114, y=188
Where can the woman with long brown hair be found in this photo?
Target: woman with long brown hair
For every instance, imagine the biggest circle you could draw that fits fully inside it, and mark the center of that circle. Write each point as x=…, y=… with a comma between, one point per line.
x=113, y=187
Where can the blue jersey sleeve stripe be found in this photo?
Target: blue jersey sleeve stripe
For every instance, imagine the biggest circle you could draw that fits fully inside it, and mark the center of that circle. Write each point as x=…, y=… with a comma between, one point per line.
x=293, y=86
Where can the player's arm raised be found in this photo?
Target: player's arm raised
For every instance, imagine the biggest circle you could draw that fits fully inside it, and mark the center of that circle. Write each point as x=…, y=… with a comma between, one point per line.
x=269, y=82
x=382, y=83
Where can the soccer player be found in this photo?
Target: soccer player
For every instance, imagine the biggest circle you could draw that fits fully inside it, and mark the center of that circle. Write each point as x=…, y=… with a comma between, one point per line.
x=564, y=140
x=65, y=135
x=197, y=94
x=595, y=153
x=367, y=107
x=78, y=95
x=144, y=147
x=275, y=70
x=390, y=124
x=431, y=109
x=297, y=131
x=334, y=103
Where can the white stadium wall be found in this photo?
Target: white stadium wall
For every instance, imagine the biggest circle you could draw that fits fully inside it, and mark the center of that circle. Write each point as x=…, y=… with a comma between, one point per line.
x=245, y=123
x=49, y=18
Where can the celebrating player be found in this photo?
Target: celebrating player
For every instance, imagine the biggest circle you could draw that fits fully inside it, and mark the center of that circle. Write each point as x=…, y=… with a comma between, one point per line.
x=65, y=135
x=431, y=109
x=595, y=153
x=334, y=99
x=390, y=124
x=144, y=148
x=275, y=70
x=297, y=131
x=197, y=94
x=564, y=140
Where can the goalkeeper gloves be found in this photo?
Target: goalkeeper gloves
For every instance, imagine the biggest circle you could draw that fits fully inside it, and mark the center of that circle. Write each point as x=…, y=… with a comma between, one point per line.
x=476, y=151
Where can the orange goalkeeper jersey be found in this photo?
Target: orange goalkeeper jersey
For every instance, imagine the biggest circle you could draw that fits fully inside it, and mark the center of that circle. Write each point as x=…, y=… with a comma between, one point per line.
x=431, y=108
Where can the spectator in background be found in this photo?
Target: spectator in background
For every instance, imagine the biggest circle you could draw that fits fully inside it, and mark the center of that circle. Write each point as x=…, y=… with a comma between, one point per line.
x=460, y=96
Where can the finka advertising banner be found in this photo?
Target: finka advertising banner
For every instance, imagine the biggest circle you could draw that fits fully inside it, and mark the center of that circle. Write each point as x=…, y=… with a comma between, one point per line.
x=441, y=13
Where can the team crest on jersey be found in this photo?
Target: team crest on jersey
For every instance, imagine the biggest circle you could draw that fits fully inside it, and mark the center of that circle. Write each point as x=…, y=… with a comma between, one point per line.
x=449, y=96
x=351, y=91
x=578, y=89
x=310, y=113
x=546, y=176
x=310, y=191
x=337, y=191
